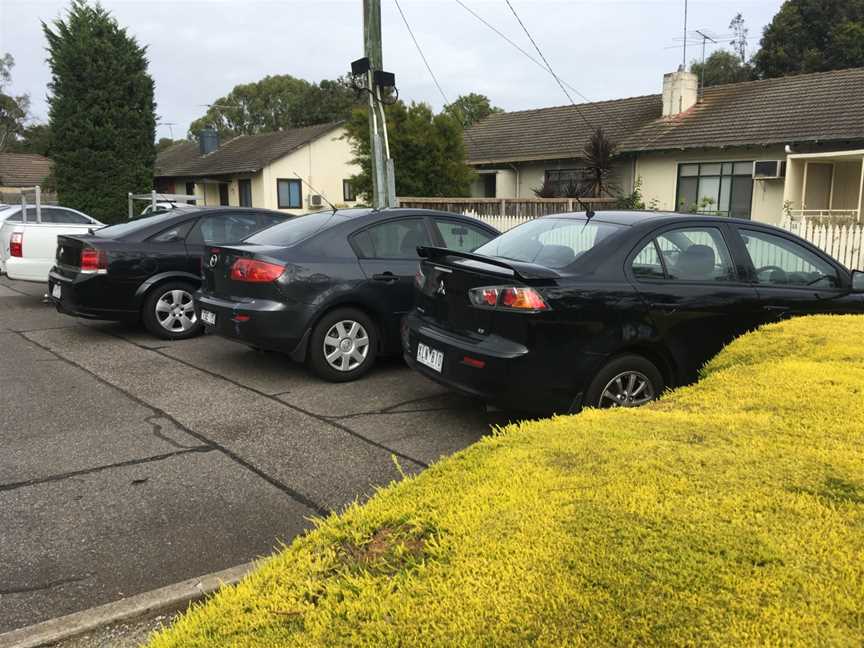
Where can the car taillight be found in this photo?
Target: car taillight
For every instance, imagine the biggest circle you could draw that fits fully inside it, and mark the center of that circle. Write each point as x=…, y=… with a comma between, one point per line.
x=93, y=260
x=16, y=244
x=517, y=298
x=252, y=271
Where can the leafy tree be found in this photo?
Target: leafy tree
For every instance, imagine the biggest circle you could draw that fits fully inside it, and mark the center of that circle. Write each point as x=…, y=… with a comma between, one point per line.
x=276, y=103
x=101, y=112
x=722, y=67
x=740, y=32
x=471, y=108
x=35, y=138
x=13, y=110
x=165, y=143
x=427, y=150
x=812, y=36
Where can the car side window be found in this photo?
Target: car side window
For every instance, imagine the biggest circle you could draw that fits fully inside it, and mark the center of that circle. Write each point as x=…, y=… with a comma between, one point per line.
x=231, y=227
x=647, y=263
x=395, y=239
x=781, y=262
x=176, y=233
x=64, y=216
x=16, y=218
x=461, y=236
x=696, y=254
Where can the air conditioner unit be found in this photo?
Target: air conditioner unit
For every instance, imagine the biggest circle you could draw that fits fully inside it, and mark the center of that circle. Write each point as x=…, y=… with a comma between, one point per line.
x=315, y=200
x=769, y=169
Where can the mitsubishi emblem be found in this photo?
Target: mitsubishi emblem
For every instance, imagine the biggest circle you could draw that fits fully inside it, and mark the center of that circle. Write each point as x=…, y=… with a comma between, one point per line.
x=441, y=290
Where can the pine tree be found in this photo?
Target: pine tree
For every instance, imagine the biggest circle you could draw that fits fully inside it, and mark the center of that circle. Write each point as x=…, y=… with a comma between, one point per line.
x=102, y=112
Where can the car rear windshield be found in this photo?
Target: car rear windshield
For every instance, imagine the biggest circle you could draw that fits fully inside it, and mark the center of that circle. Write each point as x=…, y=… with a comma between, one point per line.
x=550, y=242
x=295, y=230
x=123, y=229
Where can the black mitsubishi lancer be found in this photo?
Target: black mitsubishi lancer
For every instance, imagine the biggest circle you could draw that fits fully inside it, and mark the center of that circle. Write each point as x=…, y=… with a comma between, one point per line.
x=570, y=310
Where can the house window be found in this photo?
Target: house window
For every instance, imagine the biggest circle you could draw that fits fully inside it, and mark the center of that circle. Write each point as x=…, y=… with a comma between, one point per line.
x=245, y=188
x=348, y=194
x=564, y=182
x=289, y=194
x=490, y=185
x=720, y=188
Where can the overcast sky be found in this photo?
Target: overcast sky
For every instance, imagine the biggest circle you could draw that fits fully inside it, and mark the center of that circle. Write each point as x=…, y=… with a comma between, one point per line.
x=200, y=49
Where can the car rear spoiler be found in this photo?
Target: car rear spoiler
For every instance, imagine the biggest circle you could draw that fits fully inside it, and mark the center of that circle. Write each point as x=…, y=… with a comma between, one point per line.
x=522, y=270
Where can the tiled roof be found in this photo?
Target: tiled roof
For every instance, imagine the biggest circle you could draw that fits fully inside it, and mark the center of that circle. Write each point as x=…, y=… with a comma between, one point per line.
x=554, y=133
x=825, y=106
x=23, y=169
x=243, y=154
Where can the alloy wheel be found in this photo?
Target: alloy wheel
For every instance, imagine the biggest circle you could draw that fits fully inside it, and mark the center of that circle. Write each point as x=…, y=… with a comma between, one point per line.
x=627, y=389
x=175, y=311
x=346, y=345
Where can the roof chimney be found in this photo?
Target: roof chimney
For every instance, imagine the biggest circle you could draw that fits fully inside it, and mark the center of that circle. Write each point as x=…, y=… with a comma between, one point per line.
x=208, y=140
x=680, y=92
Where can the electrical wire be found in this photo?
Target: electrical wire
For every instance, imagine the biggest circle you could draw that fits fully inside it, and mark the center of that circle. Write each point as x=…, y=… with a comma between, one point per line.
x=548, y=67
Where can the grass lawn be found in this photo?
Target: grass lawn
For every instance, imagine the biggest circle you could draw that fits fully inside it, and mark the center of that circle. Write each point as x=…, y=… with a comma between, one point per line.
x=730, y=512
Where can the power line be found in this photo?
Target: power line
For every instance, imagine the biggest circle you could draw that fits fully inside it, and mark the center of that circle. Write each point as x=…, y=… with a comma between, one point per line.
x=548, y=67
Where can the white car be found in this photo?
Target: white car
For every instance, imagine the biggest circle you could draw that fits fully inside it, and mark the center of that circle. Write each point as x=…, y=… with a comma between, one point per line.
x=28, y=248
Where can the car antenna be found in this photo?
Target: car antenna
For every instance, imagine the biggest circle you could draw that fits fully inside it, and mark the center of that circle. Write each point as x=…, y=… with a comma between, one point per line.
x=589, y=213
x=323, y=197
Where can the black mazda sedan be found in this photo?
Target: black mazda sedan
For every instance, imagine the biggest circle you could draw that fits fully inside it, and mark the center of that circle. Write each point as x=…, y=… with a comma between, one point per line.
x=569, y=311
x=147, y=269
x=328, y=288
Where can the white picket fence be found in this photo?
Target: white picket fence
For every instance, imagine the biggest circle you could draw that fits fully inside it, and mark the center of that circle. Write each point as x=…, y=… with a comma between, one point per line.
x=842, y=240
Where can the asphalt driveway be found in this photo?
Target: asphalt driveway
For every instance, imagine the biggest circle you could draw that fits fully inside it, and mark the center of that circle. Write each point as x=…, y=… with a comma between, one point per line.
x=129, y=463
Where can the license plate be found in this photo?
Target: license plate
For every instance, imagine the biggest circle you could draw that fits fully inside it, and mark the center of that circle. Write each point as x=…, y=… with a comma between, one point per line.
x=208, y=318
x=430, y=357
x=56, y=291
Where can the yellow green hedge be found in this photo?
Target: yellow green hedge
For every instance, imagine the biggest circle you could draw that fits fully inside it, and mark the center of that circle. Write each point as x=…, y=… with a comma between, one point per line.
x=729, y=513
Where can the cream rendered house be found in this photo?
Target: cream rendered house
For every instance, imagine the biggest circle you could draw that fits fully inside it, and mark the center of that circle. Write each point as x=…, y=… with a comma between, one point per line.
x=294, y=171
x=768, y=150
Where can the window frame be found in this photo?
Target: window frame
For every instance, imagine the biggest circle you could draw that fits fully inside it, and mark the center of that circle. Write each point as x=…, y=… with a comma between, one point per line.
x=844, y=275
x=299, y=184
x=404, y=217
x=348, y=192
x=742, y=278
x=195, y=237
x=241, y=183
x=720, y=177
x=577, y=176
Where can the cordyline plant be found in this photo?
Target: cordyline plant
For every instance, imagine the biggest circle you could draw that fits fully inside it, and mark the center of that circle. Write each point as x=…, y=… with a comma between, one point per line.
x=598, y=155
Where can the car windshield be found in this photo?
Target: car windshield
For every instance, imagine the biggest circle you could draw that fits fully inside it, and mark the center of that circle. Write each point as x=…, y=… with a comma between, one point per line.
x=551, y=242
x=295, y=229
x=122, y=229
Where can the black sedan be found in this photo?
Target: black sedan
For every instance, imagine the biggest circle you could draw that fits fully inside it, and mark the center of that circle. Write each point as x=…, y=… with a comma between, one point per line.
x=147, y=269
x=328, y=288
x=569, y=311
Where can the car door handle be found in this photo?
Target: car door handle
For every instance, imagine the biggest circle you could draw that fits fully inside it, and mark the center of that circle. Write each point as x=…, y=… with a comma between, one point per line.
x=386, y=277
x=663, y=306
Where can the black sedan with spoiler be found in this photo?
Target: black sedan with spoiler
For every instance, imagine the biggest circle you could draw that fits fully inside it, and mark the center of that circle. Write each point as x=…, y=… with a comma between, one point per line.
x=571, y=310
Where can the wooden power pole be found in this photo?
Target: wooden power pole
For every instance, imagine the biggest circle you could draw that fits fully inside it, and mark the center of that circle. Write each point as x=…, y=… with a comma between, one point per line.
x=383, y=178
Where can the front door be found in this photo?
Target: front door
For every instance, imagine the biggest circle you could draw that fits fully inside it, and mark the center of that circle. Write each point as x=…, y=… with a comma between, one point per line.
x=223, y=193
x=793, y=280
x=387, y=254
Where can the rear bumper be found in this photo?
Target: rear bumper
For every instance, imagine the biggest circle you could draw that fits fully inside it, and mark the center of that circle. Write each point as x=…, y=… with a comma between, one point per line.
x=74, y=294
x=270, y=325
x=512, y=376
x=22, y=269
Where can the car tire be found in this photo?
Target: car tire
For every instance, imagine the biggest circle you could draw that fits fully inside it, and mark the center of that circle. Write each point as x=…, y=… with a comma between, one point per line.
x=625, y=381
x=168, y=311
x=343, y=345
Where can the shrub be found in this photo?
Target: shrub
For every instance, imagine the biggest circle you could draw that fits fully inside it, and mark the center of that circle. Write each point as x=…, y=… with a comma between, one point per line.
x=730, y=512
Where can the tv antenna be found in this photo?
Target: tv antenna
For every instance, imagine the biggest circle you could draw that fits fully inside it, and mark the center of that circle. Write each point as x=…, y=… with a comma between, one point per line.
x=705, y=39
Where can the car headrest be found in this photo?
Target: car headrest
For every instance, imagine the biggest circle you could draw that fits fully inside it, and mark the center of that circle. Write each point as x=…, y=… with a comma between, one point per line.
x=410, y=242
x=555, y=256
x=696, y=262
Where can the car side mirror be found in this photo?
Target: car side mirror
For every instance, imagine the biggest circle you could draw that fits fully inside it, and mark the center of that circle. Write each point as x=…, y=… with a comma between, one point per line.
x=857, y=281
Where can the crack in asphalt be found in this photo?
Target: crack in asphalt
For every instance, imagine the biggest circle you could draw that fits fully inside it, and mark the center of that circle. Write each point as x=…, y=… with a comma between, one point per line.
x=44, y=586
x=296, y=408
x=159, y=434
x=89, y=471
x=209, y=443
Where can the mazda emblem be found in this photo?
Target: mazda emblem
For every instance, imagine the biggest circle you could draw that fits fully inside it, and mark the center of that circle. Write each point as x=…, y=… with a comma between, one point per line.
x=214, y=259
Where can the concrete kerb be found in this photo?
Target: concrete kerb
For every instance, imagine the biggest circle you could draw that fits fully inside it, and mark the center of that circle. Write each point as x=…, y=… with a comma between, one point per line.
x=165, y=599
